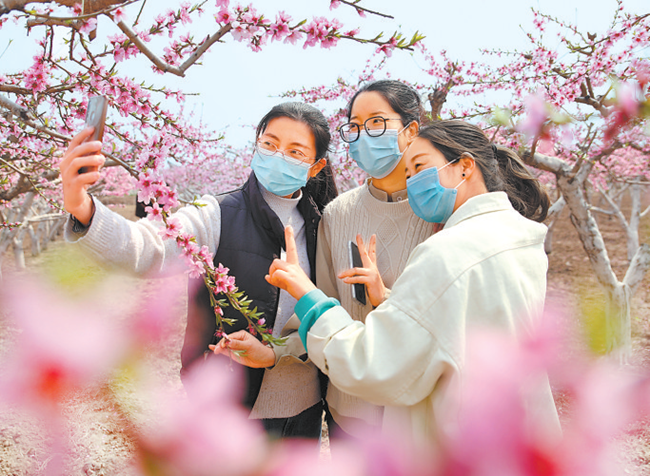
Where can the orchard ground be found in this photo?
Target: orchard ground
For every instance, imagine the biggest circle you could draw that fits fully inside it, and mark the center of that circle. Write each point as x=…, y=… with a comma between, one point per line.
x=98, y=427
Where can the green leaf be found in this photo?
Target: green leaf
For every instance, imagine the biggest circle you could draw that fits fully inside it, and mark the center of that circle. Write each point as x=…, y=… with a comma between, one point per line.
x=501, y=116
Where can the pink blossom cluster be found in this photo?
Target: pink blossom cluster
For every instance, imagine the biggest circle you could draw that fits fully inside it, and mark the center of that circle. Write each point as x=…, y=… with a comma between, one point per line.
x=37, y=76
x=123, y=48
x=253, y=28
x=170, y=19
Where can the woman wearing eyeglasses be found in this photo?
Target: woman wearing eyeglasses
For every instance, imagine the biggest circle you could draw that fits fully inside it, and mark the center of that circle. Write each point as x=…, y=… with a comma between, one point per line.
x=290, y=184
x=384, y=118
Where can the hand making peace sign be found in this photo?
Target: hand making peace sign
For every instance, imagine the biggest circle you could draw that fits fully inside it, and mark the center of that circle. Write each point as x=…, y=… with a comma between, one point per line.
x=369, y=274
x=288, y=275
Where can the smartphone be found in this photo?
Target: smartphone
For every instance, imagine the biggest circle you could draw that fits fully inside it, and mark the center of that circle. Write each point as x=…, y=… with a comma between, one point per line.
x=358, y=290
x=95, y=117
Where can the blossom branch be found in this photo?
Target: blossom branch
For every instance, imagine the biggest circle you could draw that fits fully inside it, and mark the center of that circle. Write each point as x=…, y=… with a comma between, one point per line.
x=355, y=4
x=95, y=5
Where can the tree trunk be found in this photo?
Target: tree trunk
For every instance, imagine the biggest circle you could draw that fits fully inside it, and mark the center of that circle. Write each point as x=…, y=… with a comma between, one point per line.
x=617, y=294
x=19, y=251
x=635, y=218
x=33, y=236
x=618, y=324
x=554, y=214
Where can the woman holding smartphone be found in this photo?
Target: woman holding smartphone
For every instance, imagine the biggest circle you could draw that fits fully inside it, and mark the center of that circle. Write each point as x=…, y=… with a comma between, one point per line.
x=290, y=183
x=383, y=119
x=485, y=269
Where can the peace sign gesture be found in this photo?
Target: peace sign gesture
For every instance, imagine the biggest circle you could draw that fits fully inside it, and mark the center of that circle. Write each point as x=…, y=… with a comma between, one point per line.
x=288, y=275
x=369, y=274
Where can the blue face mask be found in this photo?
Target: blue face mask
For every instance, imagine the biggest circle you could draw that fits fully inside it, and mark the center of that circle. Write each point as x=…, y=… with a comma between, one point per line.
x=377, y=156
x=279, y=175
x=428, y=198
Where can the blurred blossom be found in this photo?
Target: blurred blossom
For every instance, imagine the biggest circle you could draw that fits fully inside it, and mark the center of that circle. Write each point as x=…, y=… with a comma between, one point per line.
x=62, y=344
x=626, y=97
x=536, y=116
x=567, y=138
x=627, y=108
x=495, y=434
x=207, y=433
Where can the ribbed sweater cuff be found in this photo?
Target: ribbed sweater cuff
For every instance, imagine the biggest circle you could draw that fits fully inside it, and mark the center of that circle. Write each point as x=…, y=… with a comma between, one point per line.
x=309, y=308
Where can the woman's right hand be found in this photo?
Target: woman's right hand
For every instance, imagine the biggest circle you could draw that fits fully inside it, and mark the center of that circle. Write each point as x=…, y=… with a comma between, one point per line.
x=75, y=185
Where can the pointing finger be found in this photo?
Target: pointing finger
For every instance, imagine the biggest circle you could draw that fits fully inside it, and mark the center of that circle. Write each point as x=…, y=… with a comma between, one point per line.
x=292, y=253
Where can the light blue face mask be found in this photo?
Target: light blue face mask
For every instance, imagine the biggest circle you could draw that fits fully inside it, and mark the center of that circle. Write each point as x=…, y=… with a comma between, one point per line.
x=377, y=156
x=428, y=198
x=279, y=175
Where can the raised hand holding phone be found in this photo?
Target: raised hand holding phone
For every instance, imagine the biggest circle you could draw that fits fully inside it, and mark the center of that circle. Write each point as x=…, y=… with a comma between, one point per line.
x=367, y=274
x=95, y=118
x=288, y=275
x=79, y=169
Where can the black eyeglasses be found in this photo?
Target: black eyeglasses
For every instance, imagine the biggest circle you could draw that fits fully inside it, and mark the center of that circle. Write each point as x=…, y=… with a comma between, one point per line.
x=374, y=127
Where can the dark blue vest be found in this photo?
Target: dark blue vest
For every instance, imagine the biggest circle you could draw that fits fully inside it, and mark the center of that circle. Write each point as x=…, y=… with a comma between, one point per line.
x=252, y=236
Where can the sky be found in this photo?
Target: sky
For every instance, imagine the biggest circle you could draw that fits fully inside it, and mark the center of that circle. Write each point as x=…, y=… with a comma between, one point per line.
x=236, y=86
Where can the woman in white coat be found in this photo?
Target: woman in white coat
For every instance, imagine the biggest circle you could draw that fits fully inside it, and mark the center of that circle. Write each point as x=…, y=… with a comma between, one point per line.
x=486, y=268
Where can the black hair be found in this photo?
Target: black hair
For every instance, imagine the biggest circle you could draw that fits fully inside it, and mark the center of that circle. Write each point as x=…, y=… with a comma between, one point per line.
x=502, y=168
x=403, y=99
x=321, y=188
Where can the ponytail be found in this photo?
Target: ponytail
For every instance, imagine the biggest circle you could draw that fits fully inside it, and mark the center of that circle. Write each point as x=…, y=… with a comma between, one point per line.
x=525, y=192
x=502, y=169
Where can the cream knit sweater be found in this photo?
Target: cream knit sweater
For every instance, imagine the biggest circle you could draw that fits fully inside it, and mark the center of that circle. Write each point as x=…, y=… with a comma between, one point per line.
x=365, y=210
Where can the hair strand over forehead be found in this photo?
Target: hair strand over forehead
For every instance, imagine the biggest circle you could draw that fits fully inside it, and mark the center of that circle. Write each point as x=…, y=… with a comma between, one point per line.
x=321, y=188
x=403, y=99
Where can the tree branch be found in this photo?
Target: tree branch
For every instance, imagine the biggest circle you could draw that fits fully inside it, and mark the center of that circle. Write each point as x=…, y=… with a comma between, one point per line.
x=354, y=4
x=615, y=208
x=166, y=67
x=91, y=6
x=638, y=267
x=15, y=109
x=547, y=163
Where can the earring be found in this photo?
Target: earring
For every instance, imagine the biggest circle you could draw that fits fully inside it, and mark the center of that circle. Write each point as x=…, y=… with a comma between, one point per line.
x=463, y=174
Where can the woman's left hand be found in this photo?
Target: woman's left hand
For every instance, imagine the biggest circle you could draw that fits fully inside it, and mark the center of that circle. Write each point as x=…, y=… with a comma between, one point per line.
x=245, y=349
x=369, y=274
x=288, y=275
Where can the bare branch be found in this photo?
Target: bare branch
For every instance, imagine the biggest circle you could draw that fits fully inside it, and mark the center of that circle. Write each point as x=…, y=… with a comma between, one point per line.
x=638, y=267
x=547, y=163
x=645, y=212
x=15, y=109
x=21, y=186
x=194, y=57
x=437, y=99
x=593, y=103
x=557, y=207
x=354, y=4
x=166, y=67
x=602, y=211
x=90, y=6
x=616, y=210
x=123, y=164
